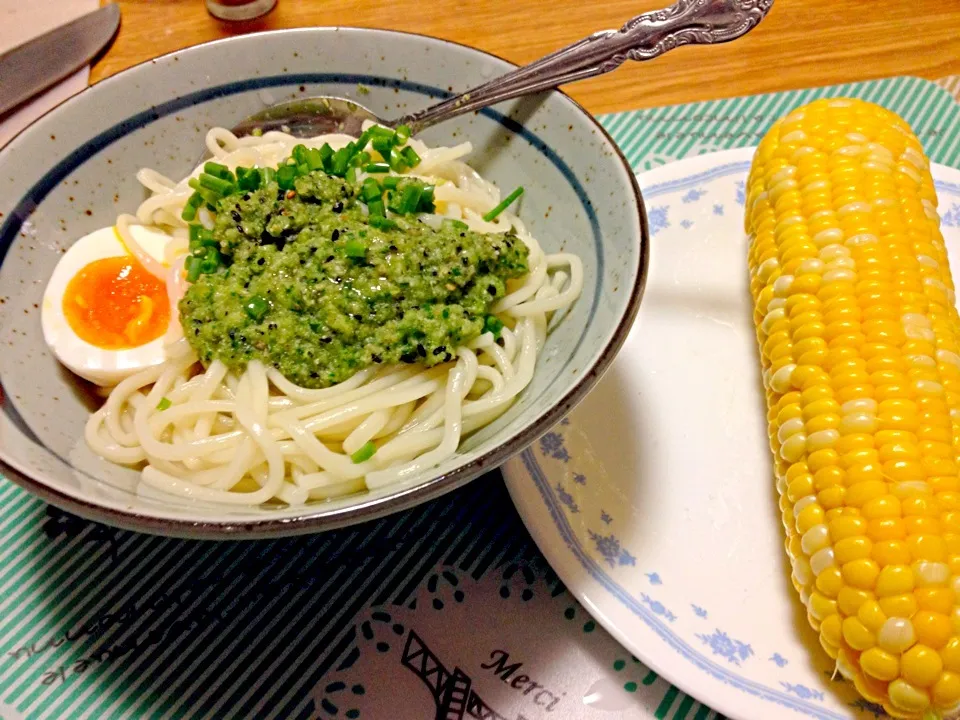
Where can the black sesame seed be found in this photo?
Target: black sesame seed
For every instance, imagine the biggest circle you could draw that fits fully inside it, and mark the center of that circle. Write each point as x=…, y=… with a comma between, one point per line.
x=358, y=318
x=280, y=194
x=196, y=331
x=393, y=248
x=239, y=229
x=337, y=207
x=448, y=357
x=464, y=261
x=421, y=351
x=459, y=249
x=376, y=358
x=335, y=235
x=410, y=357
x=439, y=350
x=261, y=261
x=491, y=289
x=246, y=197
x=236, y=216
x=326, y=340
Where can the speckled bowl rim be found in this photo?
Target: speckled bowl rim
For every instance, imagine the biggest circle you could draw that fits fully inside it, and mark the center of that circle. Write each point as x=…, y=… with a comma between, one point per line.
x=317, y=520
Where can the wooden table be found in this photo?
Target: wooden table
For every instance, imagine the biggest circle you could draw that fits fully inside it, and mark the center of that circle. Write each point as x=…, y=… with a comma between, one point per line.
x=801, y=43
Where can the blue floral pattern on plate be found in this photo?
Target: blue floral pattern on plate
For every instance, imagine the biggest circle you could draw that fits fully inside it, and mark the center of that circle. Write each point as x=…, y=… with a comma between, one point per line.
x=721, y=644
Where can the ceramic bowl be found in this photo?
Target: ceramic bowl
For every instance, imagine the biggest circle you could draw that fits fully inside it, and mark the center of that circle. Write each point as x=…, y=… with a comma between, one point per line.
x=74, y=170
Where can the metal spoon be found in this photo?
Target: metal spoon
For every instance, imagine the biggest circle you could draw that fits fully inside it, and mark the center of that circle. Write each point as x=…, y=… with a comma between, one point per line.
x=686, y=22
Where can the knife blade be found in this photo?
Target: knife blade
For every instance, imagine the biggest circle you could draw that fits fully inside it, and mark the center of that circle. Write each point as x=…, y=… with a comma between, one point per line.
x=31, y=68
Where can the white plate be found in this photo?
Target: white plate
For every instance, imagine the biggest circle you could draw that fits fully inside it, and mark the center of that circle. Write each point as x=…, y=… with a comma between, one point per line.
x=654, y=500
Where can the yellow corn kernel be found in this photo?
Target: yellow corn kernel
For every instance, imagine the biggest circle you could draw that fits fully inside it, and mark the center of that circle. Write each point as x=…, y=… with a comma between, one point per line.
x=880, y=664
x=921, y=666
x=908, y=698
x=857, y=635
x=860, y=342
x=894, y=580
x=900, y=606
x=935, y=599
x=946, y=691
x=852, y=548
x=861, y=573
x=933, y=629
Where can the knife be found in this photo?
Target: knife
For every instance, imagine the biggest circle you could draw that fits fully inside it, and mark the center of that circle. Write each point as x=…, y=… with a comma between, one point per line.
x=28, y=69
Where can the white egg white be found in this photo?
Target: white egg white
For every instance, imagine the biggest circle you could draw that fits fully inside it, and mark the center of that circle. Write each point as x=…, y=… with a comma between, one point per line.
x=102, y=367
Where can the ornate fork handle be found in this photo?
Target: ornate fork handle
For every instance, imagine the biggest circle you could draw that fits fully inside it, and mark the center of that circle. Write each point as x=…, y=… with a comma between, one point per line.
x=686, y=22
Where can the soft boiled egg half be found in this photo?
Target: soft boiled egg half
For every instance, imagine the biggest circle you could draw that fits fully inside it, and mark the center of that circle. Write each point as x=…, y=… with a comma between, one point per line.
x=104, y=315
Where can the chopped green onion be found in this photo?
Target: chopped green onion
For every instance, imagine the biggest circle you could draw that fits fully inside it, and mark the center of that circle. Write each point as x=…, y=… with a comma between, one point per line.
x=269, y=175
x=381, y=131
x=192, y=266
x=303, y=169
x=314, y=159
x=326, y=152
x=218, y=185
x=355, y=249
x=370, y=190
x=397, y=161
x=376, y=208
x=351, y=176
x=340, y=162
x=383, y=145
x=257, y=132
x=391, y=182
x=493, y=324
x=218, y=170
x=190, y=209
x=248, y=179
x=164, y=404
x=209, y=196
x=504, y=204
x=377, y=168
x=300, y=154
x=410, y=198
x=410, y=155
x=403, y=133
x=256, y=308
x=426, y=200
x=458, y=224
x=285, y=177
x=360, y=159
x=364, y=138
x=364, y=453
x=199, y=233
x=382, y=223
x=210, y=262
x=201, y=239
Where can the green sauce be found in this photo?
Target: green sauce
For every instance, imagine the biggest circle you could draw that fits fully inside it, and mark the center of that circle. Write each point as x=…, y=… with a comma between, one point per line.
x=314, y=290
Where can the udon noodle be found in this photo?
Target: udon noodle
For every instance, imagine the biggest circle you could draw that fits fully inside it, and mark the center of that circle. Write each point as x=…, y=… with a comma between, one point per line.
x=254, y=437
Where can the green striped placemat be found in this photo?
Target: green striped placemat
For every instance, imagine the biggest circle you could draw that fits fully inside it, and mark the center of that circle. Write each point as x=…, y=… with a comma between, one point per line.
x=98, y=623
x=650, y=138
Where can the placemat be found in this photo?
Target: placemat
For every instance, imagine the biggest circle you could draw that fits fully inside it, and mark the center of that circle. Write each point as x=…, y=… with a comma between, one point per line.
x=444, y=611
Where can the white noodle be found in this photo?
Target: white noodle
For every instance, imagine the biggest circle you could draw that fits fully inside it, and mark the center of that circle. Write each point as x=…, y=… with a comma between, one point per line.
x=255, y=438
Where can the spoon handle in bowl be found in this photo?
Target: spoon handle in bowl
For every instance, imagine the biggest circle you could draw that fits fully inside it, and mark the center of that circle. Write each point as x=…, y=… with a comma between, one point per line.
x=686, y=22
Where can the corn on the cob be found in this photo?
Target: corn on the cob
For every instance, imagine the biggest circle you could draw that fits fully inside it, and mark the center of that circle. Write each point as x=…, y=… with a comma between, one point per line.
x=860, y=345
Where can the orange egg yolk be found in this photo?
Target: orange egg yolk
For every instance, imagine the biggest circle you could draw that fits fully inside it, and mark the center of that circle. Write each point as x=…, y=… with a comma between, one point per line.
x=115, y=304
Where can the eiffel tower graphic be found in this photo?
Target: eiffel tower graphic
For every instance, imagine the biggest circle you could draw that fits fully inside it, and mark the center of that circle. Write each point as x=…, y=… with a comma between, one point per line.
x=451, y=689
